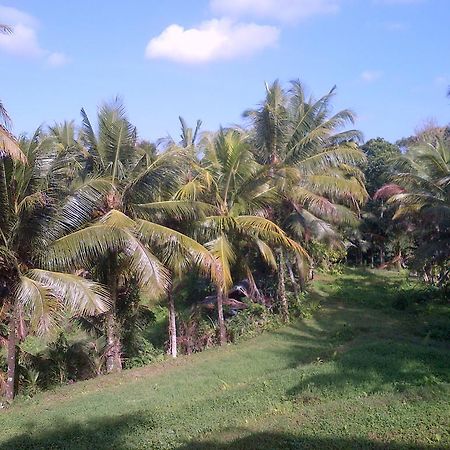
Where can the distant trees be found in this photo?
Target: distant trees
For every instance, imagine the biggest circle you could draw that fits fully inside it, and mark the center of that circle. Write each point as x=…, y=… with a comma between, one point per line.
x=420, y=192
x=377, y=237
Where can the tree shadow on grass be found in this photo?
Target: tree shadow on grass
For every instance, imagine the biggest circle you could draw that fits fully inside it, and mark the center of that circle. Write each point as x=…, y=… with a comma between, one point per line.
x=118, y=433
x=284, y=441
x=122, y=434
x=367, y=346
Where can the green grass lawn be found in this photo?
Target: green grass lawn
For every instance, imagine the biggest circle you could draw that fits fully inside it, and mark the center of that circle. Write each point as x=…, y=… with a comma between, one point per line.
x=356, y=374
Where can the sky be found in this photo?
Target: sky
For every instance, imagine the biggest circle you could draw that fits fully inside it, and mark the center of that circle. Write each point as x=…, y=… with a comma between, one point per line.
x=209, y=60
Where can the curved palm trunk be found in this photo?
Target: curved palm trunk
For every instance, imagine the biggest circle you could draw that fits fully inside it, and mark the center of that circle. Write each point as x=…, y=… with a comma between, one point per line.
x=172, y=324
x=11, y=374
x=222, y=329
x=282, y=299
x=113, y=353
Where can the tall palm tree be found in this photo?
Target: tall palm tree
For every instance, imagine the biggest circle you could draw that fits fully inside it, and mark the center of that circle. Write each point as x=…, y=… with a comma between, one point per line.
x=312, y=162
x=28, y=289
x=129, y=234
x=241, y=197
x=187, y=145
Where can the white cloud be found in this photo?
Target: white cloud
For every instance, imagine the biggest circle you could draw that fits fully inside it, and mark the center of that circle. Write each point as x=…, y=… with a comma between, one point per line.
x=215, y=39
x=24, y=42
x=12, y=16
x=283, y=10
x=57, y=59
x=370, y=76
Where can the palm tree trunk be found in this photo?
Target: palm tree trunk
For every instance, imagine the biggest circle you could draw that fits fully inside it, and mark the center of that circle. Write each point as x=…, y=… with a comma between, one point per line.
x=292, y=277
x=11, y=374
x=113, y=354
x=399, y=261
x=172, y=324
x=282, y=299
x=113, y=359
x=222, y=330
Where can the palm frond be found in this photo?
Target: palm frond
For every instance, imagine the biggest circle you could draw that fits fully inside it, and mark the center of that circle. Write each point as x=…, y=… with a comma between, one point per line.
x=82, y=248
x=79, y=295
x=39, y=304
x=9, y=146
x=223, y=253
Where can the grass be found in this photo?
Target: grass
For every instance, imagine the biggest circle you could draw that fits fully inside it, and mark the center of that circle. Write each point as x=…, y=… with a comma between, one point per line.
x=357, y=374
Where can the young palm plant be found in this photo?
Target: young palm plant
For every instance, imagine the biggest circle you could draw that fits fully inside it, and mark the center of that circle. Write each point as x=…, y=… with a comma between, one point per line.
x=130, y=232
x=30, y=293
x=312, y=163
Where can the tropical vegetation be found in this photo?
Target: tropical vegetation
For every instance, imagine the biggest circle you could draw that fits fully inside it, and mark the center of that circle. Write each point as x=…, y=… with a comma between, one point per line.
x=115, y=250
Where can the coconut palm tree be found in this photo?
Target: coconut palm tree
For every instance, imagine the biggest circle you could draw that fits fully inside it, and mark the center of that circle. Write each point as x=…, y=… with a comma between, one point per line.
x=420, y=192
x=29, y=292
x=312, y=162
x=241, y=196
x=187, y=145
x=129, y=233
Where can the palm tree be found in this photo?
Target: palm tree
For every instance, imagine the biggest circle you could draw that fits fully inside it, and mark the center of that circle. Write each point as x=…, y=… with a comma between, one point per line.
x=420, y=191
x=188, y=146
x=130, y=234
x=28, y=289
x=241, y=197
x=312, y=162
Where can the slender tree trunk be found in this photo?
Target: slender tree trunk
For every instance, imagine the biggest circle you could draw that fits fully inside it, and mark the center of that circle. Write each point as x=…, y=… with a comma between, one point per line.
x=11, y=374
x=282, y=299
x=399, y=261
x=222, y=330
x=381, y=256
x=292, y=277
x=172, y=324
x=113, y=354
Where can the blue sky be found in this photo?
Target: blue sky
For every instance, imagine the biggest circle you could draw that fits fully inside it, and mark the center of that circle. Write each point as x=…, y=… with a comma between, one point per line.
x=209, y=59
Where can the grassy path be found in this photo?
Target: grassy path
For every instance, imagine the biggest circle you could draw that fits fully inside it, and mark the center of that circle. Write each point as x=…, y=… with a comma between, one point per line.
x=354, y=375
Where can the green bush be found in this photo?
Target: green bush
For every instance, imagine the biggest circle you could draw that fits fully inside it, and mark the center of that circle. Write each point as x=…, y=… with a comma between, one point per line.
x=251, y=322
x=411, y=295
x=144, y=355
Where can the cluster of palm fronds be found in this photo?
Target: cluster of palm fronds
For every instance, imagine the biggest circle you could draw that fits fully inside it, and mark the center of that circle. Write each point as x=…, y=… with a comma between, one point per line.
x=88, y=212
x=420, y=193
